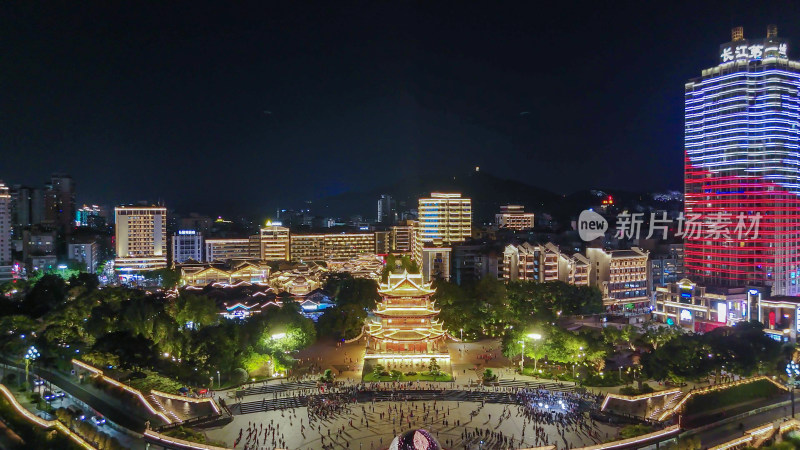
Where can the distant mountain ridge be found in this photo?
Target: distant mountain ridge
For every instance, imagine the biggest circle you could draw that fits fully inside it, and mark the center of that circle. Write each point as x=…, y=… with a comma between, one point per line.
x=487, y=192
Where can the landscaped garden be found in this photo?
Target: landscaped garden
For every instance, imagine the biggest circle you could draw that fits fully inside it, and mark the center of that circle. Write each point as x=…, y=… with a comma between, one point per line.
x=378, y=372
x=732, y=396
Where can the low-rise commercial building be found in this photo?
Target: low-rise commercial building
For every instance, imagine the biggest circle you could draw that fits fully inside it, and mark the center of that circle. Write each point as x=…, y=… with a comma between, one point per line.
x=321, y=247
x=621, y=275
x=699, y=308
x=226, y=274
x=542, y=263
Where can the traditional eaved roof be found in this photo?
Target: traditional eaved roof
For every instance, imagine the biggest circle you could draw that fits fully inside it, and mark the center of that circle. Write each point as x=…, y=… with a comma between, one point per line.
x=405, y=285
x=434, y=331
x=382, y=309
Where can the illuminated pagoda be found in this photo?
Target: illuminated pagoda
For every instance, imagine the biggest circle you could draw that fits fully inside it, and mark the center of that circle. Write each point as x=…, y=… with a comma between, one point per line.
x=405, y=323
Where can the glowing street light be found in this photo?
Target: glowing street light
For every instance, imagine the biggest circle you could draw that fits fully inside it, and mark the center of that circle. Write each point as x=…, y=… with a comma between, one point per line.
x=31, y=355
x=278, y=336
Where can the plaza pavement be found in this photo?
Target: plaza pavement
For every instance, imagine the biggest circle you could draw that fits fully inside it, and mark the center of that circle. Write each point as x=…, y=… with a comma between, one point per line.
x=346, y=360
x=380, y=432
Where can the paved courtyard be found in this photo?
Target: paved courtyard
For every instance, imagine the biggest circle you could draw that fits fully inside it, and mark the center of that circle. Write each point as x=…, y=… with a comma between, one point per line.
x=447, y=423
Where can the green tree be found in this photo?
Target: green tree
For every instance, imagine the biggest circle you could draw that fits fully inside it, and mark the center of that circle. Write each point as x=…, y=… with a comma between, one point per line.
x=656, y=335
x=49, y=292
x=166, y=278
x=198, y=310
x=434, y=368
x=628, y=335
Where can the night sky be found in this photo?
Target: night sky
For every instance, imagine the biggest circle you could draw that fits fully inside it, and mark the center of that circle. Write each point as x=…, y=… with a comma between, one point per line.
x=246, y=109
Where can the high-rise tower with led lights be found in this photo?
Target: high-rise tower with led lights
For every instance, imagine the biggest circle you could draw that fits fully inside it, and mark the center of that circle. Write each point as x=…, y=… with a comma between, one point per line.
x=742, y=129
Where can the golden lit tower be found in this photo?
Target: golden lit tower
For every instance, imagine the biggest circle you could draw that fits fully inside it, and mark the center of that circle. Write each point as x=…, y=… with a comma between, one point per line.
x=405, y=322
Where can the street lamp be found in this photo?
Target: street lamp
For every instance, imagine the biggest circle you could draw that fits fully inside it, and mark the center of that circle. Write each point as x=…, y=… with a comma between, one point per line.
x=30, y=356
x=534, y=337
x=522, y=363
x=793, y=370
x=219, y=383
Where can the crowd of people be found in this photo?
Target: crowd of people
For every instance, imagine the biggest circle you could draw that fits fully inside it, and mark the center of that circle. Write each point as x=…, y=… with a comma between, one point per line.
x=259, y=437
x=566, y=411
x=339, y=411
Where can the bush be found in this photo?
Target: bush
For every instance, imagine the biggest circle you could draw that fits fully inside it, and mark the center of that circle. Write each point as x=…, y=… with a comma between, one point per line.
x=239, y=376
x=630, y=390
x=146, y=381
x=396, y=374
x=411, y=373
x=635, y=430
x=327, y=376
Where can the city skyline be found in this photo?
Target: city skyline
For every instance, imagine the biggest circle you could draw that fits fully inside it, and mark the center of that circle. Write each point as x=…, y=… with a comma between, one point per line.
x=424, y=225
x=252, y=96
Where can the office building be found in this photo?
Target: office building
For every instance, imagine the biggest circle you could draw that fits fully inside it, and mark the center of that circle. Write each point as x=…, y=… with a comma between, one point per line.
x=348, y=245
x=27, y=208
x=307, y=247
x=444, y=219
x=187, y=245
x=387, y=211
x=274, y=242
x=473, y=261
x=37, y=244
x=401, y=237
x=383, y=242
x=85, y=252
x=232, y=249
x=322, y=247
x=91, y=216
x=5, y=225
x=59, y=203
x=141, y=238
x=665, y=267
x=621, y=276
x=435, y=262
x=514, y=217
x=742, y=160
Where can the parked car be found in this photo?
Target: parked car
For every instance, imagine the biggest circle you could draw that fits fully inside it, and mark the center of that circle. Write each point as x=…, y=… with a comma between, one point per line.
x=98, y=420
x=76, y=412
x=50, y=396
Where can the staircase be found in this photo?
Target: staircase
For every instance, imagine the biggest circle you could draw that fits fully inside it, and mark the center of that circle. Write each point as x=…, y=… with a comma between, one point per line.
x=160, y=408
x=668, y=405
